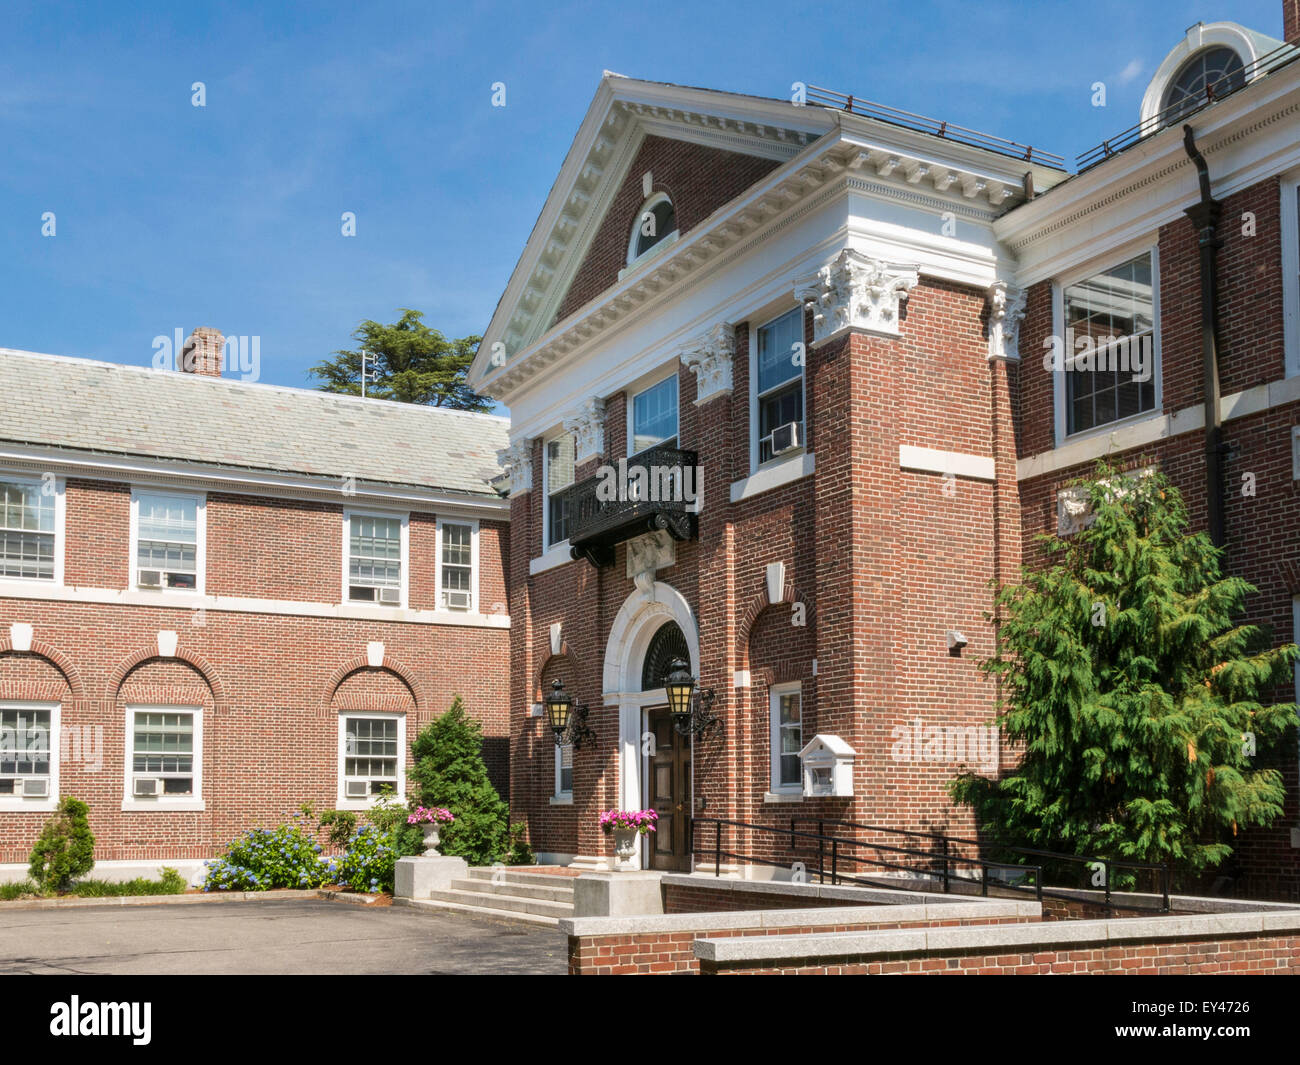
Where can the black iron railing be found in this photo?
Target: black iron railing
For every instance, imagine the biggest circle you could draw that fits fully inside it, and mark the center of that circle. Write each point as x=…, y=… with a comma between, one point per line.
x=843, y=859
x=1175, y=114
x=658, y=488
x=947, y=130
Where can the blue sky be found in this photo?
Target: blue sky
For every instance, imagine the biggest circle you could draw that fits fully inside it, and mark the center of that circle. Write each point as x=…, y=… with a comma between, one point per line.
x=171, y=216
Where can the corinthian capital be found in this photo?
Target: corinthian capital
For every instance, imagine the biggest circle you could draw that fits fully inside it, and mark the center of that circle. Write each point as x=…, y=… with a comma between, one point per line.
x=856, y=292
x=709, y=358
x=517, y=461
x=587, y=424
x=1006, y=311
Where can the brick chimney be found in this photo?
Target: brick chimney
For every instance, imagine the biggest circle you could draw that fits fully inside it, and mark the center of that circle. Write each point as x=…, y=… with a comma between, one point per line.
x=203, y=352
x=1291, y=21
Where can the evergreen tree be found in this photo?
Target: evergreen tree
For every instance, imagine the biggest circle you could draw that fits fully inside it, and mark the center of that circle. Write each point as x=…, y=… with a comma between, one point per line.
x=66, y=848
x=449, y=771
x=1143, y=710
x=410, y=363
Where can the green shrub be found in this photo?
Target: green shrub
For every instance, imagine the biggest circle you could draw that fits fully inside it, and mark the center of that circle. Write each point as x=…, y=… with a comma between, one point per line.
x=19, y=888
x=368, y=863
x=66, y=847
x=449, y=771
x=521, y=852
x=170, y=883
x=339, y=825
x=265, y=858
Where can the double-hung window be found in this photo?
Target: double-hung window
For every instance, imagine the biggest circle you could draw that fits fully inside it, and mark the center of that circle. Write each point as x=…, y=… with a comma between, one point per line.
x=654, y=416
x=560, y=456
x=164, y=756
x=370, y=757
x=168, y=540
x=28, y=754
x=458, y=564
x=779, y=385
x=28, y=522
x=1109, y=346
x=374, y=558
x=787, y=738
x=564, y=771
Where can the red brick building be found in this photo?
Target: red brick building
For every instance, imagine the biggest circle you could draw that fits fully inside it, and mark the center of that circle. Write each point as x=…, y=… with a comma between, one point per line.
x=219, y=600
x=838, y=318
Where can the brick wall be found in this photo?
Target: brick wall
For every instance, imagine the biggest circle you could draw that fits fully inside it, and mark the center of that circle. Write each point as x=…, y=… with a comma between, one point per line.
x=271, y=686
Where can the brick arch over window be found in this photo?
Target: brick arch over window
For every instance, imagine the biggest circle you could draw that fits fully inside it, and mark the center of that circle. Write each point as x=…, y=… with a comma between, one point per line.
x=789, y=596
x=199, y=664
x=575, y=670
x=55, y=658
x=381, y=690
x=361, y=664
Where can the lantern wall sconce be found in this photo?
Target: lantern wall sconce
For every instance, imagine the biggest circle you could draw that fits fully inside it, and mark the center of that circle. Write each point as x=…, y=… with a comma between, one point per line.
x=692, y=710
x=568, y=720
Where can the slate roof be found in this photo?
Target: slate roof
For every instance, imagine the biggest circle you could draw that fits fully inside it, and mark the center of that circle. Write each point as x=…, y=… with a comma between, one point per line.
x=52, y=400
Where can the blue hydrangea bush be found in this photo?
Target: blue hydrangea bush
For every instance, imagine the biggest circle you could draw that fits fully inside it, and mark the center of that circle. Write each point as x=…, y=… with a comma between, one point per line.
x=368, y=863
x=265, y=858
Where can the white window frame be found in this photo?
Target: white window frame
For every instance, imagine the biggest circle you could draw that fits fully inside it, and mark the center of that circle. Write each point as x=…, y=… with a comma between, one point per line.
x=399, y=795
x=546, y=491
x=60, y=519
x=472, y=524
x=135, y=803
x=774, y=733
x=561, y=796
x=200, y=538
x=1290, y=216
x=754, y=397
x=1115, y=257
x=50, y=802
x=658, y=246
x=405, y=518
x=644, y=386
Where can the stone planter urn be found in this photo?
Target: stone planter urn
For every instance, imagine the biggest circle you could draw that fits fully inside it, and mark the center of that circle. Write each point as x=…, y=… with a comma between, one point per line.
x=625, y=843
x=432, y=832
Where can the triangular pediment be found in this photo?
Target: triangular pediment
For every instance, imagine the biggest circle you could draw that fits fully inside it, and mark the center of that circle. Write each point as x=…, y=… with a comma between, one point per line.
x=701, y=146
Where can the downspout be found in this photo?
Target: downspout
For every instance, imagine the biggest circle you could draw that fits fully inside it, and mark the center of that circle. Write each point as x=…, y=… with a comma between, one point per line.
x=1205, y=217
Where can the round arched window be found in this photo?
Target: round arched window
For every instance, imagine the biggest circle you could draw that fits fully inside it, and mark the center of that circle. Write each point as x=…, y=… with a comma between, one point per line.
x=1220, y=69
x=656, y=220
x=667, y=643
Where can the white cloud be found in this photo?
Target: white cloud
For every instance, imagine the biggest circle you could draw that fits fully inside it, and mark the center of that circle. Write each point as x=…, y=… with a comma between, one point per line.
x=1131, y=71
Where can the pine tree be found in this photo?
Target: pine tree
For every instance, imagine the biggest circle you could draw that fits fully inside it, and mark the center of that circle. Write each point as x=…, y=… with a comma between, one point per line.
x=66, y=847
x=1145, y=713
x=449, y=771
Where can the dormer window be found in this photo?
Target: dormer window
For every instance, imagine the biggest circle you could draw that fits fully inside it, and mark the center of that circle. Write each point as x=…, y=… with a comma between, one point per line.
x=655, y=223
x=1218, y=70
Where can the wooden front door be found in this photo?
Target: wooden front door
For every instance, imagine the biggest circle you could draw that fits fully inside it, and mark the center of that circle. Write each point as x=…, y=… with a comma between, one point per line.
x=669, y=785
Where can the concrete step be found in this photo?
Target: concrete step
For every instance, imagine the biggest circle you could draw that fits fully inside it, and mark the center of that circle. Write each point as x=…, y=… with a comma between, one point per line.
x=510, y=903
x=514, y=876
x=442, y=905
x=545, y=892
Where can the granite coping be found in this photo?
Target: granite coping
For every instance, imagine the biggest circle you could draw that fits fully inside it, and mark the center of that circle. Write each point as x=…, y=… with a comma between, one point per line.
x=648, y=924
x=995, y=937
x=861, y=895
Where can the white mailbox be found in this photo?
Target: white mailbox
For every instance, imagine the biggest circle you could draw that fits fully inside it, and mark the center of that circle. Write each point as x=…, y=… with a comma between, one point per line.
x=827, y=766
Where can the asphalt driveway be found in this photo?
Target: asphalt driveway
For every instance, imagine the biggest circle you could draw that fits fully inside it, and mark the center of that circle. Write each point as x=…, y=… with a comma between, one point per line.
x=281, y=938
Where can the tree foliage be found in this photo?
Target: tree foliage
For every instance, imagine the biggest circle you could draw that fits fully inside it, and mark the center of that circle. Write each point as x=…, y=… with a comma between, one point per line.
x=410, y=363
x=449, y=771
x=1144, y=711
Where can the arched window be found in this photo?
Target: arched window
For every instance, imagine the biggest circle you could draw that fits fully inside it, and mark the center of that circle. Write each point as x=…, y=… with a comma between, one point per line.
x=1219, y=69
x=667, y=643
x=655, y=222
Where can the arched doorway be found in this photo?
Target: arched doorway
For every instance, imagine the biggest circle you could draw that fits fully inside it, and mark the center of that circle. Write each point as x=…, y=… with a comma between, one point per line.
x=639, y=644
x=668, y=788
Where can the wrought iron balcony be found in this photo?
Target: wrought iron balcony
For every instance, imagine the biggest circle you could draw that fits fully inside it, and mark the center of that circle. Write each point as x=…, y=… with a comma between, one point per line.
x=655, y=489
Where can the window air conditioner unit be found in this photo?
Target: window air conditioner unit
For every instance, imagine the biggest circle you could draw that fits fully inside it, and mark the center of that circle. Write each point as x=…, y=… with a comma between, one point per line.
x=785, y=438
x=150, y=578
x=147, y=786
x=392, y=596
x=36, y=787
x=457, y=600
x=357, y=789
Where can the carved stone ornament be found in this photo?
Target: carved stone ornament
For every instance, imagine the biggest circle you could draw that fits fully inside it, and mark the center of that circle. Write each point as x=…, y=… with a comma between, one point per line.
x=646, y=555
x=856, y=292
x=1006, y=312
x=587, y=424
x=709, y=357
x=517, y=461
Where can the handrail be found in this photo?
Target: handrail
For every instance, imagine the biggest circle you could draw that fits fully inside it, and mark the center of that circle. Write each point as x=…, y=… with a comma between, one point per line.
x=946, y=858
x=1219, y=89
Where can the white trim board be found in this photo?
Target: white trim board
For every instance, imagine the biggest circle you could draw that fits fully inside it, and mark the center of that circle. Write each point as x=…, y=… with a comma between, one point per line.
x=930, y=460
